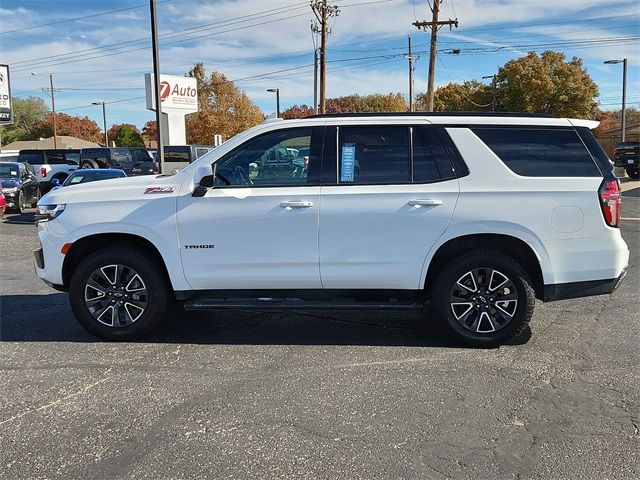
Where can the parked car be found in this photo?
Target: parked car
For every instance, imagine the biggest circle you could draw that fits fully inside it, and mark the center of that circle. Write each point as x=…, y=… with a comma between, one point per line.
x=8, y=156
x=477, y=215
x=628, y=157
x=91, y=175
x=50, y=164
x=19, y=185
x=3, y=204
x=133, y=160
x=176, y=157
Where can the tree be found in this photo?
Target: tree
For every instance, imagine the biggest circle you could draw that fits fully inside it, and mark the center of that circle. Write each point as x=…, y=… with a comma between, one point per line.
x=378, y=102
x=547, y=84
x=224, y=109
x=114, y=131
x=465, y=97
x=150, y=131
x=128, y=136
x=79, y=127
x=27, y=114
x=297, y=111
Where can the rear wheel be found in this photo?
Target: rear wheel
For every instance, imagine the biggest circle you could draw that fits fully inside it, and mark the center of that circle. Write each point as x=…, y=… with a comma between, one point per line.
x=633, y=173
x=484, y=298
x=119, y=293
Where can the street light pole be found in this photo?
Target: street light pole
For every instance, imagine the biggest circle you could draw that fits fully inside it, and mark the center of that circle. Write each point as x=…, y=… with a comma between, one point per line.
x=624, y=93
x=277, y=92
x=104, y=121
x=53, y=108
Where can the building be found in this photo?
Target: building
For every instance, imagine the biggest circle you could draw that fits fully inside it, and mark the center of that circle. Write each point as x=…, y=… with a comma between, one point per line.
x=64, y=141
x=609, y=137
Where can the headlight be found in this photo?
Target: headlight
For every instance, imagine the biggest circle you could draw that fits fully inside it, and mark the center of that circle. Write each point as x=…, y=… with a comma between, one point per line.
x=44, y=213
x=10, y=190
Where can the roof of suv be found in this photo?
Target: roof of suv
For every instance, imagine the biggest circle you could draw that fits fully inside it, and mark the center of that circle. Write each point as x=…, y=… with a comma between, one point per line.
x=457, y=118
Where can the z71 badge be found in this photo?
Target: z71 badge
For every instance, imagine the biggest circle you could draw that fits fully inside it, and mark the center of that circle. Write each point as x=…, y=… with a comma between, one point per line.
x=159, y=190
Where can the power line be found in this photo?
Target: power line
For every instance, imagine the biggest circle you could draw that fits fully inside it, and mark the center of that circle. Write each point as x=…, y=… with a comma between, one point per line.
x=79, y=18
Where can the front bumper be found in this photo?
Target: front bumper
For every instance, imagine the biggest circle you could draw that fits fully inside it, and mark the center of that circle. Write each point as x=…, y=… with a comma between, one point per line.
x=565, y=291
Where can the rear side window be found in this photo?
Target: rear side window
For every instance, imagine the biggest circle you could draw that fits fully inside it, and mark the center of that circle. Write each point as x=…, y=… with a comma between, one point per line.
x=597, y=152
x=533, y=152
x=34, y=158
x=430, y=160
x=56, y=158
x=374, y=154
x=95, y=154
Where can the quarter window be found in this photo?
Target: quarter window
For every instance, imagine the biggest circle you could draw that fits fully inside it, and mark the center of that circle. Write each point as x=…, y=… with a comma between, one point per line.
x=277, y=158
x=430, y=160
x=540, y=152
x=374, y=155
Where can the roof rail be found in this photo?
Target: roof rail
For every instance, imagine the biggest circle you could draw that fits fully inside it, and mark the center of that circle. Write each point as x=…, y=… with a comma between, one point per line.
x=434, y=114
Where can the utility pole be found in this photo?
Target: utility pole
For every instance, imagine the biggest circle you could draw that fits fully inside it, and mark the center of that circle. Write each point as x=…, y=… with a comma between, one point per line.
x=53, y=107
x=411, y=59
x=156, y=74
x=315, y=80
x=493, y=90
x=434, y=24
x=323, y=12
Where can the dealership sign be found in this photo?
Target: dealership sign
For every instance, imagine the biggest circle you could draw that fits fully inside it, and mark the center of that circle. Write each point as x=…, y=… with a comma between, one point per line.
x=6, y=113
x=176, y=93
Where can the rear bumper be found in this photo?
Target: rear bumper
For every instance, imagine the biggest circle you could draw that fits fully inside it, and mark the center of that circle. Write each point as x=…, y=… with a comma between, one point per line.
x=564, y=291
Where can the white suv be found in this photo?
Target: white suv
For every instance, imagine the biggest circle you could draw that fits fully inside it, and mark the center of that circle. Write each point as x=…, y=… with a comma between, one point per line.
x=476, y=215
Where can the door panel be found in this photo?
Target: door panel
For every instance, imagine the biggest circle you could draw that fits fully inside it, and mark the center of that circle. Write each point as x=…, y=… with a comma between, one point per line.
x=257, y=244
x=257, y=228
x=373, y=237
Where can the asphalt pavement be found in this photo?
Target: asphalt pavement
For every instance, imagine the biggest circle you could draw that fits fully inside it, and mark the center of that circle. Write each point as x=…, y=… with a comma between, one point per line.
x=327, y=395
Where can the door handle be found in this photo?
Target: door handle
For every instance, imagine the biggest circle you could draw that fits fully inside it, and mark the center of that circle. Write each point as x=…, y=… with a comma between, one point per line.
x=297, y=204
x=425, y=203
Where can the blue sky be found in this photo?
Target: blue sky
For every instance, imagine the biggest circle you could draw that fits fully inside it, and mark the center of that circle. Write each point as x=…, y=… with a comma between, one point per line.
x=268, y=44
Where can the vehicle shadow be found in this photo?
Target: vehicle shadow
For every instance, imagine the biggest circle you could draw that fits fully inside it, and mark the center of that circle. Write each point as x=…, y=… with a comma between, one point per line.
x=25, y=218
x=48, y=318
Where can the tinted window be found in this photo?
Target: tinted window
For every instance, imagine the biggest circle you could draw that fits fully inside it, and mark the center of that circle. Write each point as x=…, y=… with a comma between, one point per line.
x=56, y=158
x=95, y=154
x=269, y=160
x=141, y=155
x=120, y=155
x=34, y=158
x=373, y=155
x=201, y=151
x=9, y=170
x=177, y=154
x=540, y=152
x=598, y=153
x=430, y=160
x=72, y=157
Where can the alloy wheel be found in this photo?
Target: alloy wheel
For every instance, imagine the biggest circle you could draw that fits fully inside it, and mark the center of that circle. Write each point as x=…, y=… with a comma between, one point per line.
x=115, y=295
x=484, y=300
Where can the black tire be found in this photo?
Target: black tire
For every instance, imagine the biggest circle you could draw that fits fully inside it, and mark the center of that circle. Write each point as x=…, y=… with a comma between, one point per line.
x=633, y=173
x=20, y=205
x=156, y=297
x=89, y=164
x=472, y=326
x=34, y=204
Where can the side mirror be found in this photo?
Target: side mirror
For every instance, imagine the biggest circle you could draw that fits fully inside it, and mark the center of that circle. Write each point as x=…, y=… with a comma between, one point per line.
x=202, y=179
x=55, y=182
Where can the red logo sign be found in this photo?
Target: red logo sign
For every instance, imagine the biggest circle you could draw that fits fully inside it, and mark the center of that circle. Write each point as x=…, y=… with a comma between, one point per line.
x=165, y=88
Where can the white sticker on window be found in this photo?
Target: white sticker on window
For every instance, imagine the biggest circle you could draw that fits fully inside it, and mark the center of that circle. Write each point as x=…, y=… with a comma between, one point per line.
x=348, y=162
x=76, y=179
x=14, y=173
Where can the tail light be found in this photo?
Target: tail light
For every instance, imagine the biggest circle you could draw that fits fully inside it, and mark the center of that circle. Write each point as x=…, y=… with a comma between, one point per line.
x=610, y=201
x=43, y=172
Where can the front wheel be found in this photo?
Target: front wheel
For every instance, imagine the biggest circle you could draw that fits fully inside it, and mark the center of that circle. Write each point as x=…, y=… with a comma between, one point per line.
x=633, y=173
x=119, y=293
x=484, y=298
x=20, y=203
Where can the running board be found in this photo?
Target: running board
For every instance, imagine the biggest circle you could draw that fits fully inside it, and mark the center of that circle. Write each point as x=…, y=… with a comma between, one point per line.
x=297, y=304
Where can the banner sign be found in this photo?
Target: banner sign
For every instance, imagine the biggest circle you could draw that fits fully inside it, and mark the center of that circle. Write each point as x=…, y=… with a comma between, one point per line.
x=6, y=112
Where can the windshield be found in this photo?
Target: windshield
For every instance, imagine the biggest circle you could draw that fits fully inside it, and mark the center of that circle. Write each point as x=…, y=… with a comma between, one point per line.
x=85, y=176
x=9, y=170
